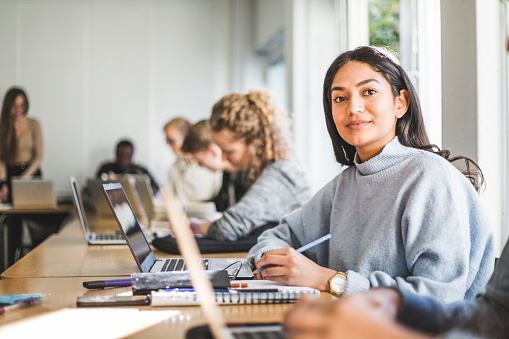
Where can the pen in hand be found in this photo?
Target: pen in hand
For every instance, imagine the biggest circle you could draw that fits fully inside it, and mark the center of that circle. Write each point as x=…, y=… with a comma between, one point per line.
x=302, y=249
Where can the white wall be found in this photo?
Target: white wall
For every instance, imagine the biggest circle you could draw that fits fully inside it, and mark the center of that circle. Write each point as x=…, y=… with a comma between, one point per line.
x=98, y=71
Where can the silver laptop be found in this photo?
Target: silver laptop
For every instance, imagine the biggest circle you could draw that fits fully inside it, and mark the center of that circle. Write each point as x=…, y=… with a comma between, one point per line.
x=141, y=250
x=94, y=187
x=145, y=193
x=93, y=238
x=34, y=193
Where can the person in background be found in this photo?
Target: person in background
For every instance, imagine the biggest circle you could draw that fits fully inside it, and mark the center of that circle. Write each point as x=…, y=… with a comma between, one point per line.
x=21, y=151
x=124, y=165
x=400, y=214
x=251, y=130
x=198, y=145
x=393, y=313
x=187, y=180
x=21, y=146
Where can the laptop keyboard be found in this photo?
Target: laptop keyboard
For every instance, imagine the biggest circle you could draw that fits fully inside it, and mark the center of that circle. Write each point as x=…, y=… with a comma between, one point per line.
x=270, y=334
x=107, y=236
x=177, y=264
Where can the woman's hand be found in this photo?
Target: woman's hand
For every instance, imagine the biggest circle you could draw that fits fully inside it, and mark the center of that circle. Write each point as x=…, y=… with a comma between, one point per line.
x=199, y=226
x=4, y=193
x=368, y=314
x=293, y=268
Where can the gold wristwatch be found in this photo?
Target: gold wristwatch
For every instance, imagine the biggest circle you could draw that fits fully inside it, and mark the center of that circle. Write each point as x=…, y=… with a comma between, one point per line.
x=337, y=284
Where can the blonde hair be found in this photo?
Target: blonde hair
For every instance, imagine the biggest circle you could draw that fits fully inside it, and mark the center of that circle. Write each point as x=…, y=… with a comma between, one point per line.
x=255, y=118
x=181, y=124
x=198, y=139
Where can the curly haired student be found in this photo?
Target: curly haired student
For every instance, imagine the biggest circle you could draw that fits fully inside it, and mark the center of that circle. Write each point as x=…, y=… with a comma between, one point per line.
x=251, y=130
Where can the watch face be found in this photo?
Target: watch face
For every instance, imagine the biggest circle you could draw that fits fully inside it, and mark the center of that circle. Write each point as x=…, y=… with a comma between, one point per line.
x=338, y=284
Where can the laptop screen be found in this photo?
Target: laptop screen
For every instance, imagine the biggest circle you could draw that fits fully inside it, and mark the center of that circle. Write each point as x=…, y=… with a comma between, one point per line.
x=129, y=226
x=79, y=205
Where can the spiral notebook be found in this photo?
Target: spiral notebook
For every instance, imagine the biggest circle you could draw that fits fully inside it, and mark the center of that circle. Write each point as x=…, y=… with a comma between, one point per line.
x=257, y=292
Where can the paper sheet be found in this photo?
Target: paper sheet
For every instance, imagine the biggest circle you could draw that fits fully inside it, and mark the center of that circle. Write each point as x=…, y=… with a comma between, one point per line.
x=85, y=323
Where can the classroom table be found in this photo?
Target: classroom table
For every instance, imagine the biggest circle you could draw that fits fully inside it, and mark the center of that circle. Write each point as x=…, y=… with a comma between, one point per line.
x=64, y=291
x=7, y=212
x=67, y=254
x=61, y=264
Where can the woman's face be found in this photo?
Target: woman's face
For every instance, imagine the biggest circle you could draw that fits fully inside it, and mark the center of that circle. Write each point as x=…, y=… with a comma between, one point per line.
x=19, y=107
x=174, y=139
x=364, y=109
x=236, y=152
x=212, y=158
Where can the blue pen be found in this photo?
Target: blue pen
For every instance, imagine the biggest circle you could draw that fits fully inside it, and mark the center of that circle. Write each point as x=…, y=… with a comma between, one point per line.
x=303, y=248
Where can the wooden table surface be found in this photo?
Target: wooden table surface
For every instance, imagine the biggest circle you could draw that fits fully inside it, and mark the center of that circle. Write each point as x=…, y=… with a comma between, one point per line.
x=61, y=264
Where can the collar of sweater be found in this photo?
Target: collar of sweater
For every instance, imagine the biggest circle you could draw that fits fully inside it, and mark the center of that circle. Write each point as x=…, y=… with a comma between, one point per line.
x=393, y=153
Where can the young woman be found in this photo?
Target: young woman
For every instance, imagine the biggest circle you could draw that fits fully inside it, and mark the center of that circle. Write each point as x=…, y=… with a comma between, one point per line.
x=198, y=145
x=20, y=142
x=251, y=131
x=400, y=214
x=188, y=181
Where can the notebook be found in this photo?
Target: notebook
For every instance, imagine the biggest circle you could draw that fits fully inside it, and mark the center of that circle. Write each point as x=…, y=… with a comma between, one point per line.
x=93, y=238
x=34, y=193
x=255, y=292
x=140, y=247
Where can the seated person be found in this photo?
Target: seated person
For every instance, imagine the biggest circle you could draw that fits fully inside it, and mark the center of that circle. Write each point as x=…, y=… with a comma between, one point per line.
x=380, y=313
x=124, y=165
x=187, y=180
x=198, y=145
x=251, y=131
x=400, y=214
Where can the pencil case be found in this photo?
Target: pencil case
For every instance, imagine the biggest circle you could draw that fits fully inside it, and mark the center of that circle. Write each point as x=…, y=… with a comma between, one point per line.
x=144, y=283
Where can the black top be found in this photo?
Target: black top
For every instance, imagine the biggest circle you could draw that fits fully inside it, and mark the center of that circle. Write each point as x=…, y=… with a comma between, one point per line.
x=231, y=191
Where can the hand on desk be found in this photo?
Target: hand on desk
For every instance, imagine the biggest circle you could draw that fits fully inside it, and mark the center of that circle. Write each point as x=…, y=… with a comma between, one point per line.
x=199, y=226
x=369, y=314
x=293, y=268
x=4, y=193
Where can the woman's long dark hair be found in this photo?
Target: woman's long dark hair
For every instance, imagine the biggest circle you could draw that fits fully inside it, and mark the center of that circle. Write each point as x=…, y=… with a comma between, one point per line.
x=7, y=133
x=409, y=128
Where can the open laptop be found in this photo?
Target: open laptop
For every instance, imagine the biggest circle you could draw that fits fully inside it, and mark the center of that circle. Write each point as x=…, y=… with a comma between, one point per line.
x=102, y=207
x=93, y=238
x=33, y=193
x=141, y=250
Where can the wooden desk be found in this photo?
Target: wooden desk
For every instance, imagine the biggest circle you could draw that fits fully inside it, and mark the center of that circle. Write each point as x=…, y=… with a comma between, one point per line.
x=64, y=291
x=67, y=254
x=48, y=269
x=10, y=212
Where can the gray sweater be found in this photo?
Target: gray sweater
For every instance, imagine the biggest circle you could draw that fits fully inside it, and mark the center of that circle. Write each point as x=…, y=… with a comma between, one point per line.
x=487, y=316
x=405, y=218
x=281, y=188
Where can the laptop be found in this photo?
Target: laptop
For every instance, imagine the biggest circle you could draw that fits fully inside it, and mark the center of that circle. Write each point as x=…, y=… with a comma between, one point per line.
x=93, y=238
x=146, y=195
x=140, y=247
x=34, y=193
x=102, y=207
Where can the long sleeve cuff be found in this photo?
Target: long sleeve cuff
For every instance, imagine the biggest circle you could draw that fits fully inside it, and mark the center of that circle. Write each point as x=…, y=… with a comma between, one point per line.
x=356, y=282
x=419, y=312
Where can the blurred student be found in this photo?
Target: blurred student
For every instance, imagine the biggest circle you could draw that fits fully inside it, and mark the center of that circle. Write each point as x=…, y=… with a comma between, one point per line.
x=21, y=150
x=400, y=214
x=251, y=131
x=187, y=180
x=124, y=165
x=21, y=145
x=198, y=144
